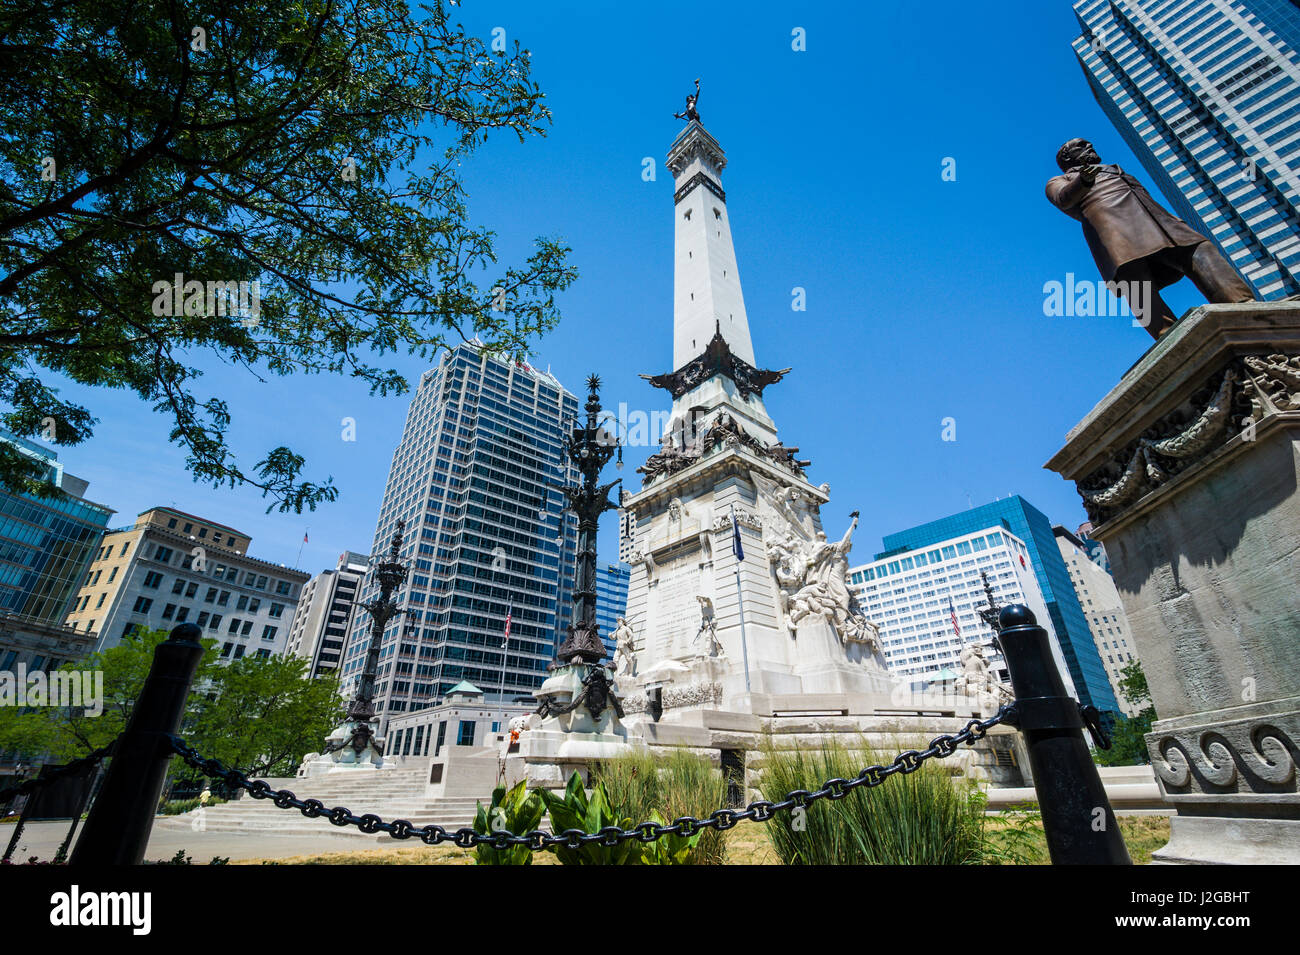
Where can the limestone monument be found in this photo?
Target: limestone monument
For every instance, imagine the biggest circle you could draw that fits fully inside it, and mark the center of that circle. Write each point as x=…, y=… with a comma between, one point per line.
x=1139, y=247
x=1188, y=470
x=739, y=596
x=740, y=626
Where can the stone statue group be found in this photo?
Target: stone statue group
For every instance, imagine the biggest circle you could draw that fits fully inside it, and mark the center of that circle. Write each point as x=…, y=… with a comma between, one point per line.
x=813, y=580
x=976, y=678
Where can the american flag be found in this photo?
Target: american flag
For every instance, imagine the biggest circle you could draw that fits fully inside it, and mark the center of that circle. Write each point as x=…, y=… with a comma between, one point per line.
x=952, y=612
x=304, y=537
x=510, y=612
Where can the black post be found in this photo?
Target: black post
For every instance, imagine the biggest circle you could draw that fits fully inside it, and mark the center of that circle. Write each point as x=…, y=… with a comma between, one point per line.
x=121, y=819
x=1077, y=819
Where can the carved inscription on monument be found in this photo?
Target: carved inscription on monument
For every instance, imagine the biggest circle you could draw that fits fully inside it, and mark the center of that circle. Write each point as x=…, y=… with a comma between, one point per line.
x=676, y=612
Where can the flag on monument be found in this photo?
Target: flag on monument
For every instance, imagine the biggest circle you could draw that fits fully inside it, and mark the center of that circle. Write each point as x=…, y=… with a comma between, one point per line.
x=736, y=548
x=510, y=613
x=952, y=612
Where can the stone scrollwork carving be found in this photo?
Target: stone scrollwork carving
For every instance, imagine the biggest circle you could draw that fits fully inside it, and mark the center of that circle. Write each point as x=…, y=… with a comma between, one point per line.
x=1170, y=446
x=1272, y=384
x=1241, y=756
x=692, y=694
x=744, y=517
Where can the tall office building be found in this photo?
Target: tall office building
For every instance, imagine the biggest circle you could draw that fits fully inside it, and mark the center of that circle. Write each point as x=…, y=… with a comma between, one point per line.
x=171, y=567
x=1207, y=95
x=927, y=602
x=611, y=599
x=477, y=480
x=46, y=544
x=626, y=535
x=320, y=625
x=1099, y=598
x=1027, y=523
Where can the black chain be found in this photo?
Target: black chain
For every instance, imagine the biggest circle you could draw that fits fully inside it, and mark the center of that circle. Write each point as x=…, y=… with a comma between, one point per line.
x=537, y=840
x=31, y=785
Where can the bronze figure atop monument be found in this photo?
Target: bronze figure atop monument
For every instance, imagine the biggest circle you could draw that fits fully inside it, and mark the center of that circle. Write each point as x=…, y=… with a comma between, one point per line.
x=691, y=113
x=1138, y=246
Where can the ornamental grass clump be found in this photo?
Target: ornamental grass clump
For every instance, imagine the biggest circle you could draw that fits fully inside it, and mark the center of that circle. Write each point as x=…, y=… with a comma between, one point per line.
x=643, y=785
x=921, y=818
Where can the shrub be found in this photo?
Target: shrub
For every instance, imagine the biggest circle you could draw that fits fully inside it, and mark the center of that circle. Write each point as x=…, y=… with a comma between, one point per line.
x=588, y=813
x=515, y=811
x=921, y=818
x=174, y=807
x=641, y=785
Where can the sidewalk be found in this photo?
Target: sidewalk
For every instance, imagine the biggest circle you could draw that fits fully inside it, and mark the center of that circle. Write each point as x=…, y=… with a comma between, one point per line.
x=42, y=839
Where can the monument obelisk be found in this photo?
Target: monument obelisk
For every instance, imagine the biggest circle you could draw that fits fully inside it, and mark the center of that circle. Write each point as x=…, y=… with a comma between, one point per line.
x=725, y=501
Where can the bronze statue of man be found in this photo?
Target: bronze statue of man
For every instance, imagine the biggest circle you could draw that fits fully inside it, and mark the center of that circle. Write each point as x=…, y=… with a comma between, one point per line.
x=1139, y=246
x=691, y=99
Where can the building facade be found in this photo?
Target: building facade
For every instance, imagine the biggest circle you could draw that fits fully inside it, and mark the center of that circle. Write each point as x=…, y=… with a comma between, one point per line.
x=171, y=567
x=626, y=534
x=1030, y=526
x=913, y=598
x=1207, y=95
x=320, y=624
x=46, y=544
x=476, y=479
x=611, y=599
x=463, y=718
x=1105, y=613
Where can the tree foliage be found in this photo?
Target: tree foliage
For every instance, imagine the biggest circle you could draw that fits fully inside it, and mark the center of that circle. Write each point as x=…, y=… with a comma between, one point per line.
x=261, y=716
x=310, y=146
x=1128, y=735
x=65, y=733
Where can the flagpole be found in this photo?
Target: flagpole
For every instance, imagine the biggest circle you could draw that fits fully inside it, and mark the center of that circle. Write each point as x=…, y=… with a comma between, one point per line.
x=739, y=554
x=298, y=563
x=744, y=643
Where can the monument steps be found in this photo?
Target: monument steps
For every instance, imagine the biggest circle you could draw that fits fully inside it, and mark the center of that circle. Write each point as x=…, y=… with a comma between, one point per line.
x=392, y=794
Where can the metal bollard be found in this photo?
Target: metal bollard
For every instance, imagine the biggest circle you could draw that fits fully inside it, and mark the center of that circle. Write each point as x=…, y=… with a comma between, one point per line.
x=1077, y=818
x=121, y=819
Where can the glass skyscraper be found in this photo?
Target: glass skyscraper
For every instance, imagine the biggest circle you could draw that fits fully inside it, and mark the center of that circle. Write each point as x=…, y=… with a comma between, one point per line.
x=1207, y=95
x=477, y=480
x=1030, y=526
x=611, y=599
x=46, y=543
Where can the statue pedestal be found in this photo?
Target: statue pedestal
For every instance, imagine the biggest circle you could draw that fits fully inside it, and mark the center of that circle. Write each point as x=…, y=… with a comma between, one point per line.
x=344, y=757
x=562, y=743
x=1190, y=470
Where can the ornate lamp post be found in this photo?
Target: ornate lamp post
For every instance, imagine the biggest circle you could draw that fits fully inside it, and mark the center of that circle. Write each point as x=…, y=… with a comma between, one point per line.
x=391, y=573
x=590, y=449
x=357, y=732
x=990, y=613
x=577, y=675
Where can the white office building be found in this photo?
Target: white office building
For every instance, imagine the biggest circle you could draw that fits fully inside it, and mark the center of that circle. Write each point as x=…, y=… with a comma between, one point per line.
x=1099, y=598
x=913, y=597
x=320, y=625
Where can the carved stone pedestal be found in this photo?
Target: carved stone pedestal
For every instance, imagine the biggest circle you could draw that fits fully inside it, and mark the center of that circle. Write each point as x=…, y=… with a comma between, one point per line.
x=1190, y=471
x=574, y=731
x=351, y=747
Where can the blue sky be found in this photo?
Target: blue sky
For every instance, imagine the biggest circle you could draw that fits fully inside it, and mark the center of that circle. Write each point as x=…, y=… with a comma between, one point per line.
x=925, y=297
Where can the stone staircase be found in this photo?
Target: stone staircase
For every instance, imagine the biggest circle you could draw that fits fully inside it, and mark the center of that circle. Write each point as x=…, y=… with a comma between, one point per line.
x=392, y=794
